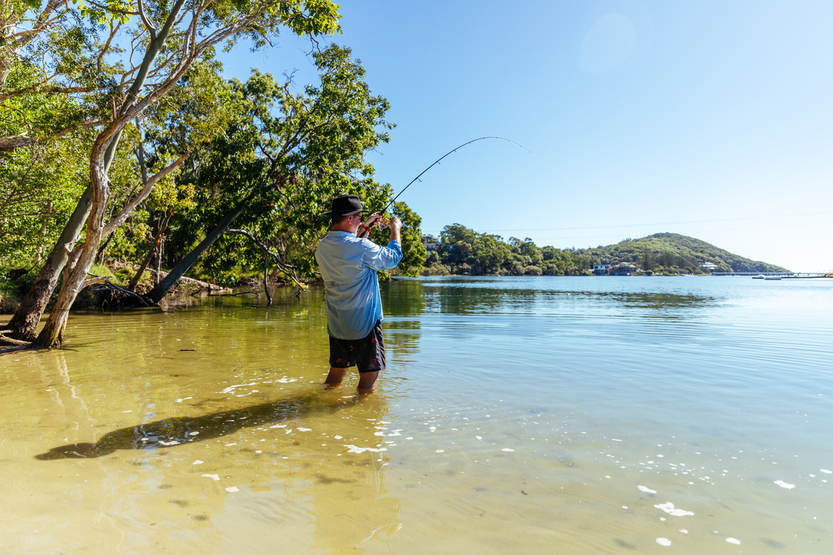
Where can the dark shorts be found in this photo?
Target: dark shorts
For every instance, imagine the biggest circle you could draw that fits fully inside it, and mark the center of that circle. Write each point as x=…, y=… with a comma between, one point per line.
x=368, y=353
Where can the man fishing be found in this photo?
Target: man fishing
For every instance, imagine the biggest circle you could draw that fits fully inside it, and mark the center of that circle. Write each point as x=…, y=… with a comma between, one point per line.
x=348, y=263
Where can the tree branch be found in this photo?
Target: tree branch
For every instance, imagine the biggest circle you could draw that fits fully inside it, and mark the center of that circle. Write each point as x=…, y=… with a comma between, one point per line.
x=106, y=48
x=143, y=194
x=10, y=144
x=150, y=26
x=92, y=281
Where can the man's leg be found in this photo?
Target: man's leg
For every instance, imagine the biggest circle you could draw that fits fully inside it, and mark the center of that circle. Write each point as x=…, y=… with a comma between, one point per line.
x=336, y=376
x=367, y=382
x=371, y=359
x=339, y=354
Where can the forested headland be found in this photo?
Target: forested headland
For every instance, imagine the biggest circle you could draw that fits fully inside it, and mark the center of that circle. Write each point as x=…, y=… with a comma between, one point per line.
x=463, y=251
x=672, y=253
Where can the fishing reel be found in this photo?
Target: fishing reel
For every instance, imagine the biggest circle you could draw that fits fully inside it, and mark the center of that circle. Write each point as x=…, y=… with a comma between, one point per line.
x=380, y=223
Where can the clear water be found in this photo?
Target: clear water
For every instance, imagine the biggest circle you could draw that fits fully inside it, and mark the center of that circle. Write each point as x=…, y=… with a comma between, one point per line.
x=531, y=415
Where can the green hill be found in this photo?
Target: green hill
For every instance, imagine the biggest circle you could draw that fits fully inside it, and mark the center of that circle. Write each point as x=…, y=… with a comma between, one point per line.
x=666, y=251
x=460, y=250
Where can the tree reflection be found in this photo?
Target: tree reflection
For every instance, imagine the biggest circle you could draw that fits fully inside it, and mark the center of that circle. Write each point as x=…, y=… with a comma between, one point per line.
x=403, y=297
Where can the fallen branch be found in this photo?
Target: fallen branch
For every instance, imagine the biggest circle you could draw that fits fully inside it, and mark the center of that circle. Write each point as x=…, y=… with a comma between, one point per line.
x=94, y=281
x=12, y=349
x=191, y=281
x=117, y=289
x=8, y=341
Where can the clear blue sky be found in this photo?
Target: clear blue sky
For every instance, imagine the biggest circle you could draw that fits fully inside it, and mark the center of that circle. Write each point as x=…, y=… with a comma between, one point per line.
x=713, y=119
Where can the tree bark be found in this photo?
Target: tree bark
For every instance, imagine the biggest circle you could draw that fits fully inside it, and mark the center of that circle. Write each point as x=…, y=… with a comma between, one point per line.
x=74, y=279
x=43, y=228
x=10, y=144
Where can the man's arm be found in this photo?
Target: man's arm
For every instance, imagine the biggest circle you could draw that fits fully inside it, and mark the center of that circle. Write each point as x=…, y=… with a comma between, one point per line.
x=395, y=226
x=386, y=258
x=364, y=230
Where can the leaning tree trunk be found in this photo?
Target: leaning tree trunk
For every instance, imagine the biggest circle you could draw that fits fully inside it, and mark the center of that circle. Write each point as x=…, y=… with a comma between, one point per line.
x=74, y=280
x=191, y=258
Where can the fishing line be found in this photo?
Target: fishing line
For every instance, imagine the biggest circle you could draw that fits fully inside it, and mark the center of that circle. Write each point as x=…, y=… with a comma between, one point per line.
x=441, y=158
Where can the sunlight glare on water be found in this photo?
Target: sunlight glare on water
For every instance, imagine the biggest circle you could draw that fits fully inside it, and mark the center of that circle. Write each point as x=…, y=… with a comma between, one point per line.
x=536, y=415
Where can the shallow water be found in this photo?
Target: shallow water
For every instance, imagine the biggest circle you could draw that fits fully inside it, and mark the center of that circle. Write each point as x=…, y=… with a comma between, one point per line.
x=538, y=415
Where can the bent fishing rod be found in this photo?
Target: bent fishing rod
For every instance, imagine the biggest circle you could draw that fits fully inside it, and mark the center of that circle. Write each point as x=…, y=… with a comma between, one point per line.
x=437, y=161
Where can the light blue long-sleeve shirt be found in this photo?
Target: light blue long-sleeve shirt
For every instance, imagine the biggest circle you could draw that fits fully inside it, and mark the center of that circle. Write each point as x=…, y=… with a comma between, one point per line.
x=348, y=265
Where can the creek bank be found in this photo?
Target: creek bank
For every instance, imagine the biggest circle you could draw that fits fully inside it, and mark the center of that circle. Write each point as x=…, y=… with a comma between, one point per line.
x=113, y=293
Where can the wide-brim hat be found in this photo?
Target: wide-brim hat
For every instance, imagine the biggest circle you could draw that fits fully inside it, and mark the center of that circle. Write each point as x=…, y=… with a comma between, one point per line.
x=346, y=205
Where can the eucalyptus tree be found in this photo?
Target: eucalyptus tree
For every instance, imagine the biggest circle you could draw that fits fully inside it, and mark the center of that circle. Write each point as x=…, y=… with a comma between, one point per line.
x=56, y=86
x=165, y=39
x=53, y=81
x=281, y=159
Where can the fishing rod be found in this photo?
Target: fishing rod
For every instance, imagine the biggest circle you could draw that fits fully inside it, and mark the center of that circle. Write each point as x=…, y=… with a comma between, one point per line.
x=437, y=161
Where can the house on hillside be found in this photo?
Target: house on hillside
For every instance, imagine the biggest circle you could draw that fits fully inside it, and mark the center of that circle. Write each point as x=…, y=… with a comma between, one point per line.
x=708, y=266
x=431, y=243
x=624, y=269
x=601, y=269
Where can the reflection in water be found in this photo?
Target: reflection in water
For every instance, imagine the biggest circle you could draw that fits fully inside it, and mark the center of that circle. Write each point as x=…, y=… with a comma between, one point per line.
x=474, y=297
x=403, y=297
x=177, y=431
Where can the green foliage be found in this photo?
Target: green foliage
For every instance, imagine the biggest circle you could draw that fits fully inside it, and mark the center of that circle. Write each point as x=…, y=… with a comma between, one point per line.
x=100, y=270
x=64, y=70
x=283, y=155
x=464, y=251
x=41, y=183
x=115, y=11
x=673, y=253
x=15, y=281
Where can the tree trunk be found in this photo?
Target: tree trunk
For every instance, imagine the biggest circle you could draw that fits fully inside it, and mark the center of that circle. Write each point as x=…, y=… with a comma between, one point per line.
x=145, y=263
x=52, y=333
x=43, y=228
x=191, y=258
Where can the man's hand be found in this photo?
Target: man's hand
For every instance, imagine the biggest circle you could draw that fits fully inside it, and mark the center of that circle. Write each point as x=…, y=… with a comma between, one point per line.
x=395, y=226
x=378, y=218
x=372, y=220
